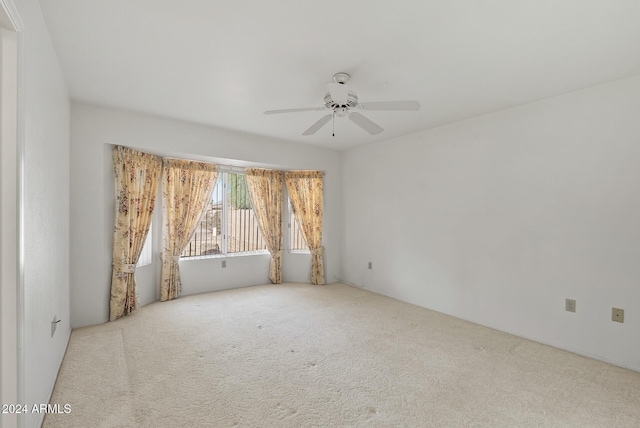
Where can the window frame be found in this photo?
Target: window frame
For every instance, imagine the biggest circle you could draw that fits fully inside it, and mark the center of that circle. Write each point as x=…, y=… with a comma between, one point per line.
x=223, y=180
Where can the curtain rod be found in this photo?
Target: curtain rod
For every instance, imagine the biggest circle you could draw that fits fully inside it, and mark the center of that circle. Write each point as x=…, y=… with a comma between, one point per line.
x=218, y=165
x=230, y=167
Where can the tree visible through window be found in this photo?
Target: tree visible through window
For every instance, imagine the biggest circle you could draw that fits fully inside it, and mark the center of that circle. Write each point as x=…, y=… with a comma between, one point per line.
x=229, y=225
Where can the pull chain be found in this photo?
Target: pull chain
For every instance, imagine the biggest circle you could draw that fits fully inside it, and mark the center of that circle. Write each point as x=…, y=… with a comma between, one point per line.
x=333, y=124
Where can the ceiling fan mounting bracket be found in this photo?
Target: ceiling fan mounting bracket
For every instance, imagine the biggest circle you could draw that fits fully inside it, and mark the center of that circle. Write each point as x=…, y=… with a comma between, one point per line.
x=341, y=78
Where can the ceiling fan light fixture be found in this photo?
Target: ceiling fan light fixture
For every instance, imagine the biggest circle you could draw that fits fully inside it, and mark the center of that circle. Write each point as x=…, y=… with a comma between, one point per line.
x=341, y=111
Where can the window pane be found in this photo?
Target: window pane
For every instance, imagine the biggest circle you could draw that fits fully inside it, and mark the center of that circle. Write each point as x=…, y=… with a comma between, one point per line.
x=243, y=233
x=297, y=239
x=147, y=249
x=207, y=238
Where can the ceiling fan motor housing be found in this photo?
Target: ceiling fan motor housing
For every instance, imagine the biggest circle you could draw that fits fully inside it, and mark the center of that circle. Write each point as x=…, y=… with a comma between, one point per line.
x=352, y=101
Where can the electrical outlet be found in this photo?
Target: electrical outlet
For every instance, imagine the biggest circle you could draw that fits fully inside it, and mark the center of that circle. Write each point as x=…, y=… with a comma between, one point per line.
x=370, y=265
x=617, y=315
x=570, y=305
x=224, y=263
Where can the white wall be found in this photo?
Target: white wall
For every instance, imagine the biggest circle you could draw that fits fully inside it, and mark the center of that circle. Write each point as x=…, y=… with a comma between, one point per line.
x=498, y=219
x=94, y=132
x=45, y=104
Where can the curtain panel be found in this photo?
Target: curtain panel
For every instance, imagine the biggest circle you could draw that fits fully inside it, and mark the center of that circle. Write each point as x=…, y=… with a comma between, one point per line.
x=186, y=191
x=306, y=193
x=265, y=191
x=137, y=175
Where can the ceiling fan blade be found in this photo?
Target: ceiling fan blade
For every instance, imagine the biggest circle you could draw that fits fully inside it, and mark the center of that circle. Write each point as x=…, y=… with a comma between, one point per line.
x=339, y=92
x=319, y=124
x=294, y=110
x=391, y=106
x=365, y=123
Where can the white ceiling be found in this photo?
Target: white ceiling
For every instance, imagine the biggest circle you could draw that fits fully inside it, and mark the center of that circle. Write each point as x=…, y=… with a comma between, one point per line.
x=224, y=63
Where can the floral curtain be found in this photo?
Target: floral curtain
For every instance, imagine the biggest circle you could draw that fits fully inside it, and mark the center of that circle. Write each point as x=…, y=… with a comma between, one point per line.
x=186, y=191
x=265, y=190
x=137, y=175
x=306, y=193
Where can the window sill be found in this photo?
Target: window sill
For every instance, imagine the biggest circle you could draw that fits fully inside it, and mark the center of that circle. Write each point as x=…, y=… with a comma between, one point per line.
x=225, y=256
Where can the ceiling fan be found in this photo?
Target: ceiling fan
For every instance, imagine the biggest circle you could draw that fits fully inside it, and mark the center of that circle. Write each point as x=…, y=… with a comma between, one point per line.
x=340, y=100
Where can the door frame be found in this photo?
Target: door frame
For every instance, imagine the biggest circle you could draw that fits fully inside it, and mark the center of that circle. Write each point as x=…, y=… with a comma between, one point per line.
x=11, y=224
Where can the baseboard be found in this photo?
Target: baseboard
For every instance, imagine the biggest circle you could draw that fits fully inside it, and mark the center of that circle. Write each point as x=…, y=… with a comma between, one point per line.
x=533, y=339
x=53, y=386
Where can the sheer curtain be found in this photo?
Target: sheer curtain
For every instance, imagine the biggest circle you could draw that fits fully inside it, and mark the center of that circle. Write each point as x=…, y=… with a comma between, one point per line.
x=265, y=190
x=186, y=191
x=137, y=175
x=306, y=193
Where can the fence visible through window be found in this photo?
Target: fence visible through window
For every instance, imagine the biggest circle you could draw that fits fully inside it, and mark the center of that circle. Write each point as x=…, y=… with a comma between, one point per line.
x=297, y=239
x=229, y=224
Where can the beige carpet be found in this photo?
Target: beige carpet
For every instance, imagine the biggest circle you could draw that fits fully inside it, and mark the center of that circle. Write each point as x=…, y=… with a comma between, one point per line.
x=296, y=355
